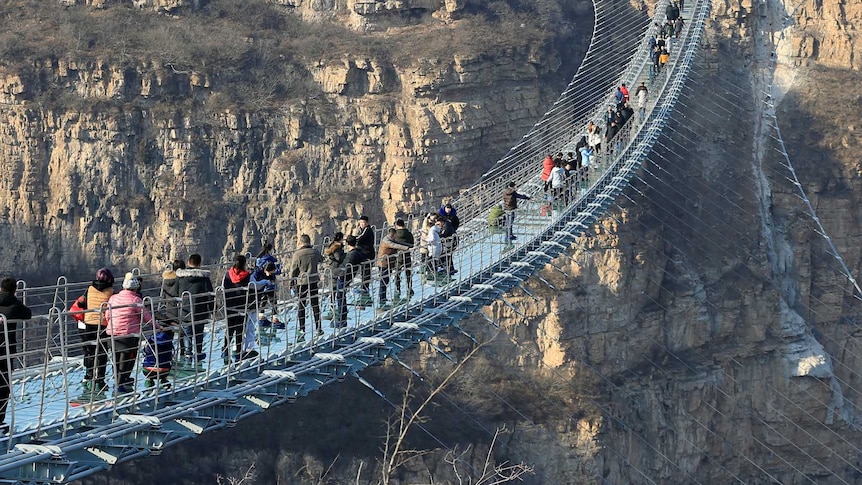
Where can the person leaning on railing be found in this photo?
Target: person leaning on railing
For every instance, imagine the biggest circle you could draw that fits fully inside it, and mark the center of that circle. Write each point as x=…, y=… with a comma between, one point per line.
x=12, y=308
x=353, y=261
x=365, y=241
x=387, y=261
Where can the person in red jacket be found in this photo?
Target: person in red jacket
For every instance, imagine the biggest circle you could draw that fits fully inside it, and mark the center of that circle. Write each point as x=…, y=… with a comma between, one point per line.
x=547, y=166
x=235, y=285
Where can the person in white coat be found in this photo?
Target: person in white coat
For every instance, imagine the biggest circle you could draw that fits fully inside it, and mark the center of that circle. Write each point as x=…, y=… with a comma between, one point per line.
x=431, y=245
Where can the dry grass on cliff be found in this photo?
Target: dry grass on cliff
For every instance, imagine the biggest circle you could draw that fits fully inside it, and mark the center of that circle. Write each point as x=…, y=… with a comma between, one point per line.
x=255, y=53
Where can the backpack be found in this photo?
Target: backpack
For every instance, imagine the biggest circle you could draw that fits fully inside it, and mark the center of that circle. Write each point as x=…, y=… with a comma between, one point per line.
x=268, y=258
x=495, y=215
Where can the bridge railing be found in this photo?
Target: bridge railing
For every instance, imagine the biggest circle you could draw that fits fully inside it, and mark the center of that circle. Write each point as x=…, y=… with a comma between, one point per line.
x=589, y=89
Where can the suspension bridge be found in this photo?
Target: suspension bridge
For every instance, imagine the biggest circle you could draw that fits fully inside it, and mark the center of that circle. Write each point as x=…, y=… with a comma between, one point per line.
x=56, y=435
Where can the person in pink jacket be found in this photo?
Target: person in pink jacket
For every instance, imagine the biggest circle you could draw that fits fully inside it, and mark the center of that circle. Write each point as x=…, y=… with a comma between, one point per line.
x=125, y=316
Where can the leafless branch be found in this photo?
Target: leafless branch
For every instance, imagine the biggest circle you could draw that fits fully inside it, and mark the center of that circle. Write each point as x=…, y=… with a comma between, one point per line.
x=248, y=477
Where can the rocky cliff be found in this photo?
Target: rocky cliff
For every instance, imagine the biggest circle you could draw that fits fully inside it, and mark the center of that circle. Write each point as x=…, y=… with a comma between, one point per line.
x=703, y=333
x=230, y=134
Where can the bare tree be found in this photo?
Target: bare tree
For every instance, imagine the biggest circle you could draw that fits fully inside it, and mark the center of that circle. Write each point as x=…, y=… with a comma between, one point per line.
x=396, y=456
x=492, y=473
x=246, y=478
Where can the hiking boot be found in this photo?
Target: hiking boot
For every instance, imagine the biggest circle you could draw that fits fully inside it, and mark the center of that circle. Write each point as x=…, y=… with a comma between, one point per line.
x=99, y=387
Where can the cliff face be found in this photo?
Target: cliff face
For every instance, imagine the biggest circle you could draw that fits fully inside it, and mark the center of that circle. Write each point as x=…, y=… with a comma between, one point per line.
x=133, y=163
x=704, y=332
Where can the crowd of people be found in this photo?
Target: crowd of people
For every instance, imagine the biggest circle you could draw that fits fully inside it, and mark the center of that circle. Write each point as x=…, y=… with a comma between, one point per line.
x=661, y=42
x=111, y=324
x=564, y=175
x=114, y=323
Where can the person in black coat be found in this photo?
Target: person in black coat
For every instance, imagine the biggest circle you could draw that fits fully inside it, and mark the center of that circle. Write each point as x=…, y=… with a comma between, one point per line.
x=235, y=285
x=12, y=308
x=170, y=292
x=353, y=261
x=365, y=242
x=197, y=283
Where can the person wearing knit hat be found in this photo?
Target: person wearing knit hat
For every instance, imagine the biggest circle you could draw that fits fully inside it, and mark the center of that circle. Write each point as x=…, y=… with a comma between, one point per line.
x=130, y=282
x=90, y=324
x=126, y=317
x=170, y=293
x=105, y=275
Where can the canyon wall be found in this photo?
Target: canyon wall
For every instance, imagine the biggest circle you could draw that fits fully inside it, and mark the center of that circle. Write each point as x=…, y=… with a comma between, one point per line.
x=134, y=163
x=704, y=331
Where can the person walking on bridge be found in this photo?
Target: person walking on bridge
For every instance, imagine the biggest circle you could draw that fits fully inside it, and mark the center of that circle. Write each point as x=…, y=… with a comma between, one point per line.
x=12, y=308
x=558, y=183
x=641, y=94
x=510, y=204
x=235, y=284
